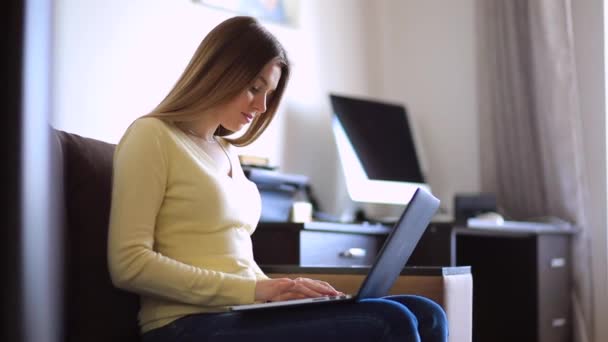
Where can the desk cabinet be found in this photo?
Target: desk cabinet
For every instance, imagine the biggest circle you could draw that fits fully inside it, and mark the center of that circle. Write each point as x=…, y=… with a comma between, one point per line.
x=521, y=288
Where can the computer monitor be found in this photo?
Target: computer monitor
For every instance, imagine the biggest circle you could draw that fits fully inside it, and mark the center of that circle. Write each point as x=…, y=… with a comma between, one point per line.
x=377, y=150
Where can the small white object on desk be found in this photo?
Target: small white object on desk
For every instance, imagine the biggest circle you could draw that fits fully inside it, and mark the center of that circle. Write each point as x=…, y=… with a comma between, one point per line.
x=490, y=218
x=496, y=221
x=301, y=212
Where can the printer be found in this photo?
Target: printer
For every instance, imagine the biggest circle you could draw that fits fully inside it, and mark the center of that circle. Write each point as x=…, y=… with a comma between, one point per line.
x=279, y=192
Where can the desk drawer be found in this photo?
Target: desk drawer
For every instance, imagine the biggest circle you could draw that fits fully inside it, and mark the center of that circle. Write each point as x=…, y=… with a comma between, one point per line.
x=338, y=249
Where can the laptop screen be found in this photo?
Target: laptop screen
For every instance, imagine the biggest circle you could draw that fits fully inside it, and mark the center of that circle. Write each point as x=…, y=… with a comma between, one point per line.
x=399, y=245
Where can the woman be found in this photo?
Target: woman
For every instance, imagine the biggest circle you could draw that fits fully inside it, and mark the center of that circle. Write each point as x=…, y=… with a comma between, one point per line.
x=183, y=212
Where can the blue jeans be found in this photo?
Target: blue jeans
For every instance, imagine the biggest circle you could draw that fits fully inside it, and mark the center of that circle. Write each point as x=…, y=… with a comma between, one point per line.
x=393, y=318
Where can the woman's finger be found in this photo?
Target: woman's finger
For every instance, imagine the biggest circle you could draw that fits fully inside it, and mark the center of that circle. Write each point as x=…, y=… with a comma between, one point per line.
x=328, y=286
x=270, y=288
x=320, y=287
x=306, y=290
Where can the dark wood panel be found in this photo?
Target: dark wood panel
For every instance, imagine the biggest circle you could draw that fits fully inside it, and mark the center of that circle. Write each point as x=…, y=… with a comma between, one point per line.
x=504, y=286
x=433, y=249
x=276, y=246
x=12, y=25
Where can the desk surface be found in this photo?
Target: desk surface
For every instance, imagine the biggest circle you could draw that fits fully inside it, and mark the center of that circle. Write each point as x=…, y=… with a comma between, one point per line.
x=514, y=231
x=413, y=271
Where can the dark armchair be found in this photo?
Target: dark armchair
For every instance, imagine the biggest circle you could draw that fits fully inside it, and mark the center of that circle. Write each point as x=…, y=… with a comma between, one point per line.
x=94, y=310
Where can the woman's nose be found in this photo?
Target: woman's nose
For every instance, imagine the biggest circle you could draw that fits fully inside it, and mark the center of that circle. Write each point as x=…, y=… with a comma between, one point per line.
x=260, y=104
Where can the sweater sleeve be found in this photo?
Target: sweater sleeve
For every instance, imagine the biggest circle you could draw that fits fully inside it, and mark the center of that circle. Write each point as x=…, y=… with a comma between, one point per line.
x=139, y=182
x=259, y=274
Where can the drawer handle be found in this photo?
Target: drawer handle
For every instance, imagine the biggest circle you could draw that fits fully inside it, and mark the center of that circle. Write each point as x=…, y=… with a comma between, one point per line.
x=558, y=322
x=558, y=262
x=354, y=253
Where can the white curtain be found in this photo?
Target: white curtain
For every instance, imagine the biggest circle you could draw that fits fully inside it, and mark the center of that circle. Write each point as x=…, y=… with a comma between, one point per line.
x=531, y=144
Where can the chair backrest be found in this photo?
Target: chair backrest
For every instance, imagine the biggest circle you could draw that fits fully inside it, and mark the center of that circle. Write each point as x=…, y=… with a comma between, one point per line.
x=94, y=310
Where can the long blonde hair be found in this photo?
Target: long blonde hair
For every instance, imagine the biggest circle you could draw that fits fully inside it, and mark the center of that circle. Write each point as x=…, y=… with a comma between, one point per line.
x=226, y=62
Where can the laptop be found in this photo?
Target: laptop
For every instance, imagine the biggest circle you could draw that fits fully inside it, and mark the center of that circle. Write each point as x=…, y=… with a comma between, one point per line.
x=391, y=259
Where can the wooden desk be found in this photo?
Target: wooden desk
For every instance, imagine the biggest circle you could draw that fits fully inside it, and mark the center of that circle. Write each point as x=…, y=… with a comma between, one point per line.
x=328, y=244
x=450, y=287
x=522, y=276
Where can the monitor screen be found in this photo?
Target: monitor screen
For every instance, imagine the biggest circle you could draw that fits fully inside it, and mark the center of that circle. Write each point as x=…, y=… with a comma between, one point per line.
x=377, y=150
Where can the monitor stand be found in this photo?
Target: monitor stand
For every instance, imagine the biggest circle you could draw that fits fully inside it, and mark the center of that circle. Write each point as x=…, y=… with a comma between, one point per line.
x=389, y=213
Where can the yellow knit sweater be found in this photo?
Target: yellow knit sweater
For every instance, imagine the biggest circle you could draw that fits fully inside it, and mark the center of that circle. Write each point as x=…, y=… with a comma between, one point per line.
x=180, y=229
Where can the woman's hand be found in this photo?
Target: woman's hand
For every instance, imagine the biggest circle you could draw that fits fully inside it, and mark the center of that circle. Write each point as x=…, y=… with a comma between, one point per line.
x=287, y=289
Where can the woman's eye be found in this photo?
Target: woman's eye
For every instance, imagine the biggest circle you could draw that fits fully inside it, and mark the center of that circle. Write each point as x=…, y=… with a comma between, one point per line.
x=254, y=90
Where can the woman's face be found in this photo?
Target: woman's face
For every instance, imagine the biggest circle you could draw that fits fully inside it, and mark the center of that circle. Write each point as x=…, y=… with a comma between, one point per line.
x=252, y=101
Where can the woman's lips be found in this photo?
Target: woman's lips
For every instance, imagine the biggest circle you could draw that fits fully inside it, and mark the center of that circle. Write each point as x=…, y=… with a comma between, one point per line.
x=248, y=117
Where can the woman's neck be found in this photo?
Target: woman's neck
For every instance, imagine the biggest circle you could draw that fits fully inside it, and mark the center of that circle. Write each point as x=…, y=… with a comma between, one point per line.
x=200, y=129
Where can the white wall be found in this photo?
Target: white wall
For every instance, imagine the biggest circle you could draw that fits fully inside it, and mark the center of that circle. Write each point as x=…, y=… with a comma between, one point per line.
x=427, y=59
x=589, y=39
x=421, y=53
x=339, y=47
x=115, y=60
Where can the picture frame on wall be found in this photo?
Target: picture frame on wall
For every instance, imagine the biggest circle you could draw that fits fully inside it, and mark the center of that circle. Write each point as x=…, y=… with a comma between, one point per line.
x=283, y=12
